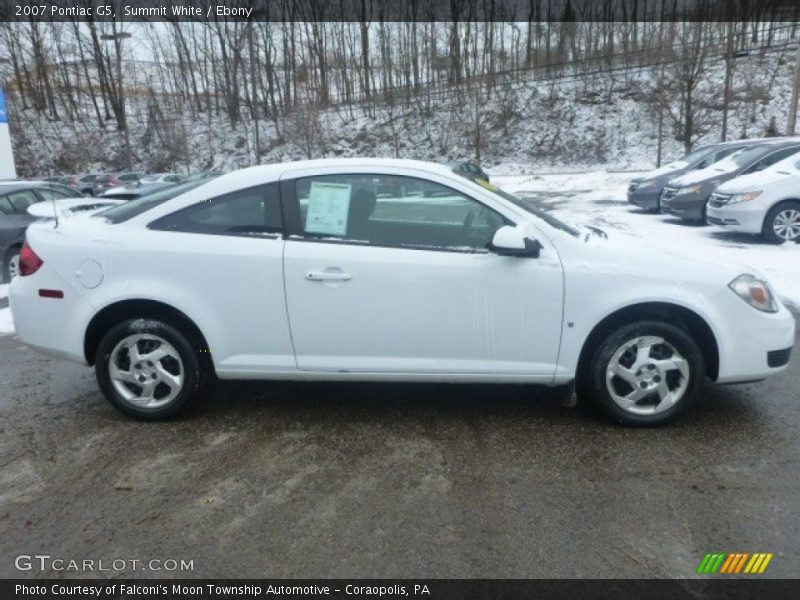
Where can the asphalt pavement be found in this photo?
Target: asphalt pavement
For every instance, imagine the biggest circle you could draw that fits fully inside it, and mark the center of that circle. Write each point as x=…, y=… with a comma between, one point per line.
x=407, y=480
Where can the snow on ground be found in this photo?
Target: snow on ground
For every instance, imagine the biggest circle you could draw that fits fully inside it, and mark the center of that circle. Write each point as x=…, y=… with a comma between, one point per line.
x=600, y=199
x=6, y=325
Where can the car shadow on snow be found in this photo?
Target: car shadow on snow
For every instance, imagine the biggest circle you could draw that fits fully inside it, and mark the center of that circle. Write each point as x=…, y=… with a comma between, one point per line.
x=676, y=221
x=739, y=239
x=635, y=210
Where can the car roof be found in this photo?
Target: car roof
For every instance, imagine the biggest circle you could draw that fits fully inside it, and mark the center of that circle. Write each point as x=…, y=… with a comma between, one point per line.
x=280, y=169
x=12, y=186
x=258, y=175
x=769, y=141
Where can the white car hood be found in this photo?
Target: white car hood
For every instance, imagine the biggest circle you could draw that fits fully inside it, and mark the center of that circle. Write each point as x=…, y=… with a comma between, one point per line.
x=622, y=253
x=755, y=181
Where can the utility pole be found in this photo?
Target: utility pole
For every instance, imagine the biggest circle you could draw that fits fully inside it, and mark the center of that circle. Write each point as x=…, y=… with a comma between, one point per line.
x=728, y=79
x=790, y=129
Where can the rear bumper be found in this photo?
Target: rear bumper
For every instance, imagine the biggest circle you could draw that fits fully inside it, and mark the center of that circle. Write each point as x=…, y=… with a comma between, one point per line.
x=736, y=217
x=53, y=326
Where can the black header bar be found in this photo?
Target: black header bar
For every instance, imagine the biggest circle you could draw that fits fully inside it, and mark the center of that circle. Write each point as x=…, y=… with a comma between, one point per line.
x=400, y=10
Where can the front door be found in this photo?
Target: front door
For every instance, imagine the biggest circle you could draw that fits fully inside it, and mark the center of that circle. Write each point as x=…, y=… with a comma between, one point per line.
x=393, y=274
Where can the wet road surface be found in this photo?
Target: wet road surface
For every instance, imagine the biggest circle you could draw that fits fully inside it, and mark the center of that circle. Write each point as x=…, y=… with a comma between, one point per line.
x=348, y=480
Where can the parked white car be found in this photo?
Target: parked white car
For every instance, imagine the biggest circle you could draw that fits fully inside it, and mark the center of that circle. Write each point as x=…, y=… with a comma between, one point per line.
x=766, y=202
x=384, y=270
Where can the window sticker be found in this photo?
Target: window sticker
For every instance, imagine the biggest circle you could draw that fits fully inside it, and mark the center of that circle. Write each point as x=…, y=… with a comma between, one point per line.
x=328, y=207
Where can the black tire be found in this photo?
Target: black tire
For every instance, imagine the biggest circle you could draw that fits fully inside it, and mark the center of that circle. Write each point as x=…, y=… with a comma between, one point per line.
x=9, y=257
x=768, y=230
x=194, y=369
x=595, y=386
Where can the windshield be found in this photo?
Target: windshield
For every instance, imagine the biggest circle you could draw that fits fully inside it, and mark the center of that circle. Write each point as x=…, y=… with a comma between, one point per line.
x=528, y=206
x=151, y=178
x=131, y=209
x=695, y=156
x=742, y=158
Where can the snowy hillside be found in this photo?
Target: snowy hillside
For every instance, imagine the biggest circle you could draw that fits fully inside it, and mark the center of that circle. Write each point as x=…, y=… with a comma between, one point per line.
x=599, y=121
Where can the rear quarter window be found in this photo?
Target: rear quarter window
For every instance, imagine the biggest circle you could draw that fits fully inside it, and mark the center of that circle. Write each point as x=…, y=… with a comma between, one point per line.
x=251, y=212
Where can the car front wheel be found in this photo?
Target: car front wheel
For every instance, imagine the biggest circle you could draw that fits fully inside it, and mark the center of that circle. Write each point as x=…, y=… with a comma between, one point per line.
x=646, y=373
x=782, y=223
x=148, y=369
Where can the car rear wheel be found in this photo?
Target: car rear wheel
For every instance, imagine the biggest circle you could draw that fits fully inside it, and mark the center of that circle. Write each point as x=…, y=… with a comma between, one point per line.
x=782, y=223
x=11, y=265
x=646, y=373
x=148, y=369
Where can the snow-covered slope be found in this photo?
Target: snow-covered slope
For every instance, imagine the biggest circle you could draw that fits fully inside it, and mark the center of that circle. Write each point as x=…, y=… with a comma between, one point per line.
x=603, y=120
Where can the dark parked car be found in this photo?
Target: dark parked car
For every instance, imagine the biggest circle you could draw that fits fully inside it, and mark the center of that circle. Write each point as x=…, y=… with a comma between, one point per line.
x=111, y=180
x=83, y=183
x=15, y=198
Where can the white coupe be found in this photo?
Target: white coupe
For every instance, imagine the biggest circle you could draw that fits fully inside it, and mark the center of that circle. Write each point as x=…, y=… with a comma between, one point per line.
x=383, y=270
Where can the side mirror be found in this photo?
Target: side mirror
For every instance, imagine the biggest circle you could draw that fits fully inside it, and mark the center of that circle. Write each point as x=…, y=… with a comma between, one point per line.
x=512, y=241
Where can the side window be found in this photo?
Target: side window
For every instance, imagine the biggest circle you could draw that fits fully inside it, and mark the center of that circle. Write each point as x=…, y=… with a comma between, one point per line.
x=390, y=210
x=54, y=194
x=21, y=200
x=715, y=157
x=251, y=212
x=5, y=206
x=771, y=159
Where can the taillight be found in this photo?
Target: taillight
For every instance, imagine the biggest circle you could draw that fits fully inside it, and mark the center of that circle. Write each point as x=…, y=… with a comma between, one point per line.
x=29, y=262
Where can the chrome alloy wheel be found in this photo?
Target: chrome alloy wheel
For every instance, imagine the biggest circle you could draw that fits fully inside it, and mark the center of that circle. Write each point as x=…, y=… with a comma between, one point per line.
x=647, y=375
x=787, y=224
x=146, y=370
x=13, y=267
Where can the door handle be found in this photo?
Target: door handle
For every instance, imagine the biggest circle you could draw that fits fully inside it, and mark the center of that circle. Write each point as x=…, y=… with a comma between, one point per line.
x=328, y=276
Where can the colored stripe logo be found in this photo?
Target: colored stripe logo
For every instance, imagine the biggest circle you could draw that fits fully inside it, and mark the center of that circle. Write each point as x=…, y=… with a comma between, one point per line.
x=735, y=563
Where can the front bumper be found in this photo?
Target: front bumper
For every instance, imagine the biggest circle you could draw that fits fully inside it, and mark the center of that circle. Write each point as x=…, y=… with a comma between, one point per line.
x=742, y=216
x=686, y=206
x=752, y=344
x=644, y=198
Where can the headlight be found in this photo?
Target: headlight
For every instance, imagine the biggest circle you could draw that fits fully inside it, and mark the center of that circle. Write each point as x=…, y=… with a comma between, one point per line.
x=689, y=190
x=647, y=184
x=756, y=292
x=744, y=197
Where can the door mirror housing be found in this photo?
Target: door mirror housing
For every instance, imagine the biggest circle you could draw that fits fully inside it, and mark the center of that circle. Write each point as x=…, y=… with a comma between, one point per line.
x=514, y=241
